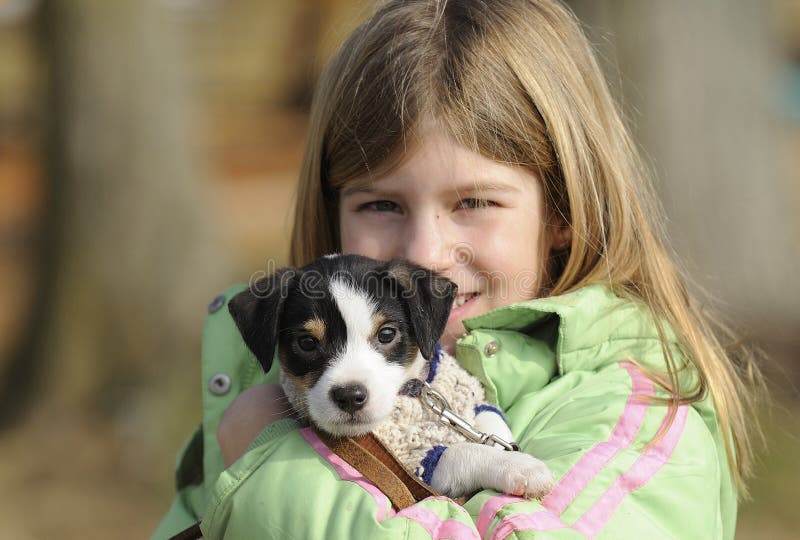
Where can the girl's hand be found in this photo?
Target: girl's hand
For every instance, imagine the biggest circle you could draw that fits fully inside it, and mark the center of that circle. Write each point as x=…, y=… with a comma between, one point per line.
x=248, y=415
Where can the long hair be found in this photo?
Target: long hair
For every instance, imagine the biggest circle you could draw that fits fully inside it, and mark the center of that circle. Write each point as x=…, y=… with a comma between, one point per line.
x=516, y=81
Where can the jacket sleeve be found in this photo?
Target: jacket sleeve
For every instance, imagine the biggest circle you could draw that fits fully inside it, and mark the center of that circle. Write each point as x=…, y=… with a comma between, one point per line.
x=227, y=369
x=189, y=499
x=616, y=479
x=290, y=485
x=181, y=514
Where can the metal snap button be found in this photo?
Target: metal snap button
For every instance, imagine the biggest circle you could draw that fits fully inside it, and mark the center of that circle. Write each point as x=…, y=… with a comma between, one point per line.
x=491, y=349
x=216, y=303
x=219, y=384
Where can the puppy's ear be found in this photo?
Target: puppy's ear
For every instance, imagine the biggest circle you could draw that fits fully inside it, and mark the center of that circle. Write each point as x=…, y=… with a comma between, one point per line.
x=257, y=311
x=429, y=298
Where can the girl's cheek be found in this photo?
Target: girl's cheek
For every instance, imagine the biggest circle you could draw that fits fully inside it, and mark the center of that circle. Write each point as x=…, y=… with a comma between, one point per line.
x=366, y=241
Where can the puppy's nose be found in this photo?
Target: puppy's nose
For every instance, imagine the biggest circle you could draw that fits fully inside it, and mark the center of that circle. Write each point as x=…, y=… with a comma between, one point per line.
x=350, y=397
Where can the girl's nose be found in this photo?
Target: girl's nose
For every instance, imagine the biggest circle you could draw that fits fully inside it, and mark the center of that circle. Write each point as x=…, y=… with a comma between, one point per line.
x=427, y=242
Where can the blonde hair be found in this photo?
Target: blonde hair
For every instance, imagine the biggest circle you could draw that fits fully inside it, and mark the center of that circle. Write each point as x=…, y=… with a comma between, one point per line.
x=517, y=81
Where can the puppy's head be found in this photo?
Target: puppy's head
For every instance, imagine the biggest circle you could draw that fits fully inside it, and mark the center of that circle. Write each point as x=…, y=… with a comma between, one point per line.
x=349, y=332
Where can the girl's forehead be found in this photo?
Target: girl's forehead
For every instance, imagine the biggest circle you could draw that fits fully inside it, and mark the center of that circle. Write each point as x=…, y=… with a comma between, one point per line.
x=391, y=184
x=416, y=142
x=436, y=160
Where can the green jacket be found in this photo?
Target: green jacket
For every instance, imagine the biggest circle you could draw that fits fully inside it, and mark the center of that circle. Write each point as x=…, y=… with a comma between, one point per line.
x=565, y=375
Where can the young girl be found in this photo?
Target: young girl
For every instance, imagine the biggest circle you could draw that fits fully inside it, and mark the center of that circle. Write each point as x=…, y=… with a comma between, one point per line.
x=479, y=139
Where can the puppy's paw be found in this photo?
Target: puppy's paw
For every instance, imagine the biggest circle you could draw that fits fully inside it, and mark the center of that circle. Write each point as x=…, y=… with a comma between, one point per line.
x=467, y=467
x=523, y=475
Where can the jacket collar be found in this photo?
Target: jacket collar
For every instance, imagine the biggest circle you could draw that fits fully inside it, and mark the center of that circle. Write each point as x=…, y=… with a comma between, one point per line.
x=589, y=317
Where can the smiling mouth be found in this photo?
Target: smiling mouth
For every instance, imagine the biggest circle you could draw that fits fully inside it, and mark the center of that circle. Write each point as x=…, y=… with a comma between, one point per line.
x=462, y=299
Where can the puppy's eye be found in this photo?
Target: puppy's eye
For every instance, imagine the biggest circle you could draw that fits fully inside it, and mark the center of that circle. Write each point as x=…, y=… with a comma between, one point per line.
x=306, y=343
x=386, y=335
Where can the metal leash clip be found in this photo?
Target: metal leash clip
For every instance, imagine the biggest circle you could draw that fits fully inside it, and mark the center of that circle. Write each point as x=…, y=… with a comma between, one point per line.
x=438, y=404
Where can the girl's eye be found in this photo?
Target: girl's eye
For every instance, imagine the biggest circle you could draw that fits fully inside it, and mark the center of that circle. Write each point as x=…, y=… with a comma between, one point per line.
x=386, y=335
x=473, y=203
x=306, y=343
x=381, y=206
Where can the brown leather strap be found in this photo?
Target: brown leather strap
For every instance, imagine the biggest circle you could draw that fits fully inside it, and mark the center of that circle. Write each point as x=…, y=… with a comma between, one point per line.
x=378, y=465
x=191, y=533
x=375, y=447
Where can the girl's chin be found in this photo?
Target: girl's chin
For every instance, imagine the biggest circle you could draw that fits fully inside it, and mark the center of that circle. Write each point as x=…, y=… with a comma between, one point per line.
x=452, y=332
x=448, y=344
x=455, y=327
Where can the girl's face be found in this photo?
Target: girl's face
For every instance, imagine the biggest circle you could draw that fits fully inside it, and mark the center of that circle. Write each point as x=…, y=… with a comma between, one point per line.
x=476, y=221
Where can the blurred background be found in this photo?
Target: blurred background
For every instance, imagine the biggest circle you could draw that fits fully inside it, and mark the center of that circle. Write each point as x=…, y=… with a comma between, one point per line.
x=148, y=155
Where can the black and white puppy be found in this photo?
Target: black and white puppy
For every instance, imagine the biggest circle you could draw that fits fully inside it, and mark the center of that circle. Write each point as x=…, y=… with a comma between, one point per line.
x=349, y=333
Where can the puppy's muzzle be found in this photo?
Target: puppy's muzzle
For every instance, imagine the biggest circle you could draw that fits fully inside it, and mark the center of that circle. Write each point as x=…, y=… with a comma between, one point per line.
x=350, y=397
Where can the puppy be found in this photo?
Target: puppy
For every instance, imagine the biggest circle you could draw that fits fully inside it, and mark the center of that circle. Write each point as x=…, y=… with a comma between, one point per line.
x=350, y=332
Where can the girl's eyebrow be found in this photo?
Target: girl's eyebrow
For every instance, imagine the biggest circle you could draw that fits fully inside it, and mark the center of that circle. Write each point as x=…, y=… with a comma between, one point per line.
x=350, y=190
x=487, y=186
x=471, y=187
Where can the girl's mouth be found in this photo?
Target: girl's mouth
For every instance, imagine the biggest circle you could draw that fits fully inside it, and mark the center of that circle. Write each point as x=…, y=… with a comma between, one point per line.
x=463, y=299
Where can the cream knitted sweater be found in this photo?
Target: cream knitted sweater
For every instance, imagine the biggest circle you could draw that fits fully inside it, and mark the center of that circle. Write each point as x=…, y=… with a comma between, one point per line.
x=412, y=432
